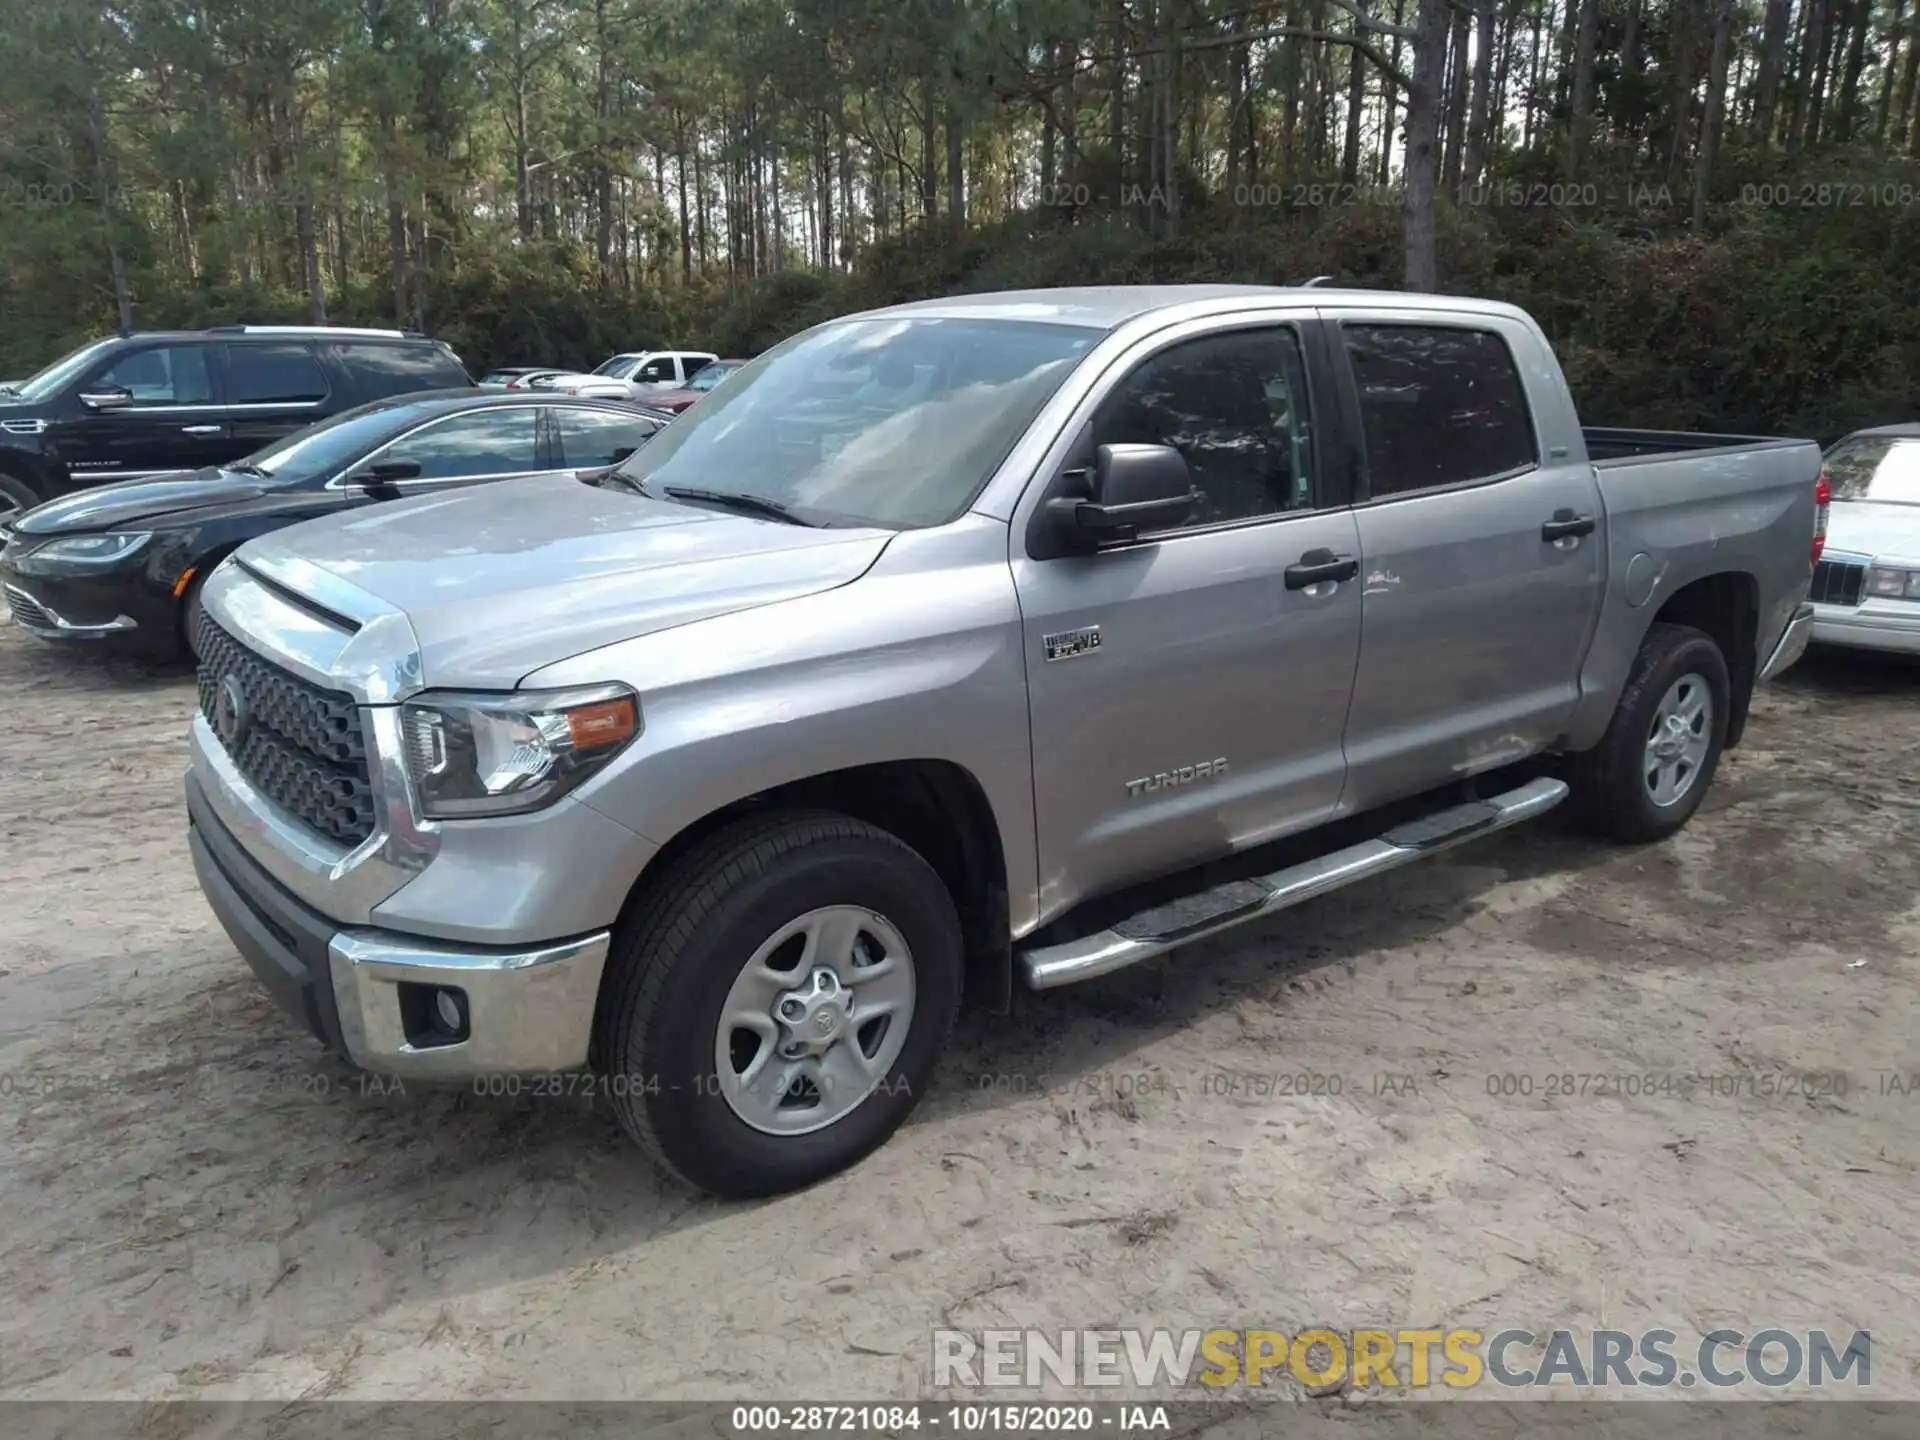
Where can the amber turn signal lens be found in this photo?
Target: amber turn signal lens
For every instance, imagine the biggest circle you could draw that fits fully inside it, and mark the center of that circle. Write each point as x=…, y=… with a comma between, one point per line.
x=607, y=723
x=186, y=578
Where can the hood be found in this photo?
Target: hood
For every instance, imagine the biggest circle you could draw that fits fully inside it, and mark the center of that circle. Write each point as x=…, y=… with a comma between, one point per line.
x=138, y=502
x=500, y=580
x=1874, y=528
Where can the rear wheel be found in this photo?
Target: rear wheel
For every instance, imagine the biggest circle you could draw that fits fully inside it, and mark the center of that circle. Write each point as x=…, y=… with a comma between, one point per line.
x=1651, y=770
x=776, y=1007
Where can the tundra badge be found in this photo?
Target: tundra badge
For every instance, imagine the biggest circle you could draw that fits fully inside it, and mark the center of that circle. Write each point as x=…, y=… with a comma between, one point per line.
x=1185, y=775
x=1069, y=643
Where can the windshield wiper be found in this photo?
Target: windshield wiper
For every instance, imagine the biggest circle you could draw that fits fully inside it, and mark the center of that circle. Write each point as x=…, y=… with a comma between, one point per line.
x=751, y=504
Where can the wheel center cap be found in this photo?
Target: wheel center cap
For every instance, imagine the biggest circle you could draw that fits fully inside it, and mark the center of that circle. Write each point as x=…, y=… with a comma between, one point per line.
x=815, y=1016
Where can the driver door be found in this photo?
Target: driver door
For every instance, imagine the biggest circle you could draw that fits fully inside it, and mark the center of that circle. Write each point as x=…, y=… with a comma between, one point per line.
x=1187, y=698
x=172, y=418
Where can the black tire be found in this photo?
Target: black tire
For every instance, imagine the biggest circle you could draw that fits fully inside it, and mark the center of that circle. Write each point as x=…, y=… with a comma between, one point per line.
x=1609, y=782
x=15, y=494
x=676, y=957
x=190, y=620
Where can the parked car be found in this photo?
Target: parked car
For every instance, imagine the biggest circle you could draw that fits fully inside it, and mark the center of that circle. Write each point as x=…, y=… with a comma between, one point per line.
x=669, y=369
x=1866, y=588
x=704, y=379
x=730, y=773
x=124, y=562
x=535, y=379
x=504, y=378
x=144, y=404
x=574, y=382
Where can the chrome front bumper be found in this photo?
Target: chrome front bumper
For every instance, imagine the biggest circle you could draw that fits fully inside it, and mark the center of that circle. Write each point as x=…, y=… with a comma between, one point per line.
x=1793, y=642
x=528, y=1008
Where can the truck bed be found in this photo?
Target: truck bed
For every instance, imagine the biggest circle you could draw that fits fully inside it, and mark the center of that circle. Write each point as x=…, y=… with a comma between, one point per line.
x=1608, y=445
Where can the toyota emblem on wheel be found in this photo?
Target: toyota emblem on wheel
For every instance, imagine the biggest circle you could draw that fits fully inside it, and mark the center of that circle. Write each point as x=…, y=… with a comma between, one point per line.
x=231, y=717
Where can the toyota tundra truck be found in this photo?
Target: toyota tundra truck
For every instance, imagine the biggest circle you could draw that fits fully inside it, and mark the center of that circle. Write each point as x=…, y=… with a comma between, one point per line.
x=990, y=641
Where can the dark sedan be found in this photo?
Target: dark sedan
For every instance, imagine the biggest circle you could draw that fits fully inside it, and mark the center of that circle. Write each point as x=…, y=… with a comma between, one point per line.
x=122, y=563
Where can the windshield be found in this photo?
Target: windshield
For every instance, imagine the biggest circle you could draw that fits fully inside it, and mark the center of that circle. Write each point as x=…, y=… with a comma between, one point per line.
x=1884, y=468
x=320, y=448
x=892, y=422
x=619, y=367
x=710, y=375
x=56, y=375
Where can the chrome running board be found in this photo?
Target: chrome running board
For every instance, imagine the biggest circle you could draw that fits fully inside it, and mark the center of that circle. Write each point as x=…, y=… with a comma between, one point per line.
x=1192, y=917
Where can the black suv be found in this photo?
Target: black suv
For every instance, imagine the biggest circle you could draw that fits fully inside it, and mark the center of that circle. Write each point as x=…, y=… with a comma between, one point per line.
x=145, y=404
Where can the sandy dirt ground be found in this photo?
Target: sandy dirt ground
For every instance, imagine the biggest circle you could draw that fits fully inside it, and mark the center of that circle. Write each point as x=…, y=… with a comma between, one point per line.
x=199, y=1203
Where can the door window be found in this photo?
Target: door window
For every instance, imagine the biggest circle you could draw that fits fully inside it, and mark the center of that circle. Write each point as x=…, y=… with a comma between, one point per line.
x=1439, y=405
x=396, y=369
x=1235, y=405
x=656, y=371
x=274, y=374
x=468, y=447
x=165, y=375
x=590, y=438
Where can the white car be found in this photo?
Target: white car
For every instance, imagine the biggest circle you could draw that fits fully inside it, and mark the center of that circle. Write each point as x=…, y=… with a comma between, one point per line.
x=1866, y=586
x=668, y=369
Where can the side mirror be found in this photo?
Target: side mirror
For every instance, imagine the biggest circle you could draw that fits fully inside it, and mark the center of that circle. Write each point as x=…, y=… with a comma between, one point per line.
x=107, y=397
x=382, y=474
x=1135, y=488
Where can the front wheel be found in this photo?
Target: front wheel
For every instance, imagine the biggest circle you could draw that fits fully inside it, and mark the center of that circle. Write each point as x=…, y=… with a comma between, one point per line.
x=776, y=1006
x=1651, y=770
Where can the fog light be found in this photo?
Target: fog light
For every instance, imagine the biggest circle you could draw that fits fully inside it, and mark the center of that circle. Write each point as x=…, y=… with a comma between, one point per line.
x=446, y=1004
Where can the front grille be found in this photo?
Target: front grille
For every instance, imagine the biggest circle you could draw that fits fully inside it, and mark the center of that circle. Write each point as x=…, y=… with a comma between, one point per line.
x=1837, y=582
x=300, y=745
x=27, y=610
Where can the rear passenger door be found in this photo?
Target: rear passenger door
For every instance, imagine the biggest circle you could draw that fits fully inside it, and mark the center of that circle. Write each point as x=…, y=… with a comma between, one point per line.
x=274, y=387
x=1481, y=550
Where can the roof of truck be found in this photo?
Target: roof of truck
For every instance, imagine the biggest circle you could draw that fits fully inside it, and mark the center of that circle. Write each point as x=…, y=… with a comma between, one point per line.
x=1109, y=306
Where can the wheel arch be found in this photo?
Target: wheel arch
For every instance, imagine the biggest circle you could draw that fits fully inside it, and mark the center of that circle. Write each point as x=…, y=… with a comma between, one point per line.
x=1725, y=606
x=937, y=807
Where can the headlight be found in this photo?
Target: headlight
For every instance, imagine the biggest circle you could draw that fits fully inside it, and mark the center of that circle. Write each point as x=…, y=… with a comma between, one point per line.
x=93, y=549
x=492, y=754
x=1889, y=583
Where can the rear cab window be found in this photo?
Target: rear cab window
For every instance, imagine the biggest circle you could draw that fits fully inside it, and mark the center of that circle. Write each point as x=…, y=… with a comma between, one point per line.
x=1440, y=406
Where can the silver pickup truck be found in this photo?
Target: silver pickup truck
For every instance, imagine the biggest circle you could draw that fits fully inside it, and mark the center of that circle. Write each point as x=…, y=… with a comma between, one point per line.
x=1006, y=638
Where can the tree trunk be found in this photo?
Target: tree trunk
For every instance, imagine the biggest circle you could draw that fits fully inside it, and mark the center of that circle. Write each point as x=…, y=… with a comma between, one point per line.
x=1388, y=92
x=1680, y=96
x=929, y=184
x=1586, y=30
x=1908, y=114
x=1423, y=146
x=956, y=175
x=1480, y=116
x=680, y=188
x=1710, y=118
x=1456, y=102
x=1895, y=35
x=1117, y=90
x=1356, y=102
x=1862, y=22
x=1773, y=57
x=1813, y=50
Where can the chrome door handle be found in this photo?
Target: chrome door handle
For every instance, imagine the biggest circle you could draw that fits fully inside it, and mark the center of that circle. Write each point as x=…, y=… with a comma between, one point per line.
x=201, y=429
